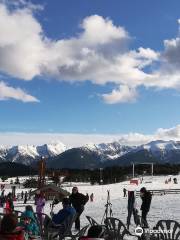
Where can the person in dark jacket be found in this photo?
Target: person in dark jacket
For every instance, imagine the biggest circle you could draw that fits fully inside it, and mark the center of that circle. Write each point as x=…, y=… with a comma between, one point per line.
x=25, y=197
x=132, y=209
x=146, y=203
x=78, y=200
x=125, y=192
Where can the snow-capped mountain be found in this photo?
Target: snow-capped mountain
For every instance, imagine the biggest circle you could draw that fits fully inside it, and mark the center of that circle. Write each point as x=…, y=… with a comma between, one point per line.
x=28, y=154
x=109, y=151
x=115, y=154
x=163, y=150
x=90, y=156
x=161, y=145
x=93, y=155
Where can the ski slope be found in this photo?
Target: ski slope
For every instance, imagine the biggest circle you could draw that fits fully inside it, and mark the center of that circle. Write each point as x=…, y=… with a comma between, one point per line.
x=162, y=207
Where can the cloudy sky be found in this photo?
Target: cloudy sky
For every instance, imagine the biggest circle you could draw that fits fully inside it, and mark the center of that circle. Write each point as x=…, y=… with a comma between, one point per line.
x=89, y=71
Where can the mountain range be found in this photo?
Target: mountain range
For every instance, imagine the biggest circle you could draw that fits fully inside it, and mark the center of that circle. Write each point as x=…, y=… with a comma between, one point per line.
x=93, y=155
x=30, y=154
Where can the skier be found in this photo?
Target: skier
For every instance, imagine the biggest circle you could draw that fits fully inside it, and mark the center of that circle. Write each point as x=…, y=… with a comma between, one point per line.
x=25, y=197
x=131, y=209
x=92, y=197
x=125, y=192
x=40, y=203
x=22, y=195
x=146, y=203
x=78, y=200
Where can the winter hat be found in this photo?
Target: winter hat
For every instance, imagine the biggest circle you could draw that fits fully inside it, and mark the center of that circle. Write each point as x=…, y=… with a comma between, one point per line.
x=75, y=188
x=66, y=201
x=143, y=190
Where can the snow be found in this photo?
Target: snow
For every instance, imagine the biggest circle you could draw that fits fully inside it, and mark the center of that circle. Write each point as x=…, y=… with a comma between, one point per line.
x=31, y=151
x=26, y=154
x=109, y=151
x=161, y=145
x=162, y=207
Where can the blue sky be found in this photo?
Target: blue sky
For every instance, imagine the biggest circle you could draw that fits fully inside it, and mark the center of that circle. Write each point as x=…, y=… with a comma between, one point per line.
x=89, y=67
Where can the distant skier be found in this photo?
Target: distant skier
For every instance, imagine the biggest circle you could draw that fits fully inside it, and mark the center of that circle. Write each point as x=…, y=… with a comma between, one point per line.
x=29, y=194
x=78, y=200
x=25, y=197
x=92, y=197
x=22, y=195
x=146, y=203
x=175, y=180
x=125, y=192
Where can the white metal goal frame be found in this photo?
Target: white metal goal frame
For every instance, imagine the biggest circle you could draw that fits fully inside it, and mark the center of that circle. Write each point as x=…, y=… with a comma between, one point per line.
x=144, y=163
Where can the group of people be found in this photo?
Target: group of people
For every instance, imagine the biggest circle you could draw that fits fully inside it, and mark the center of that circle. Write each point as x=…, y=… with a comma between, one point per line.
x=25, y=196
x=6, y=202
x=12, y=229
x=74, y=205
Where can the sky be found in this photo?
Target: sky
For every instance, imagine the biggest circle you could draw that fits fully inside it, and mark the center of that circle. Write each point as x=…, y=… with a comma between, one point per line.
x=89, y=71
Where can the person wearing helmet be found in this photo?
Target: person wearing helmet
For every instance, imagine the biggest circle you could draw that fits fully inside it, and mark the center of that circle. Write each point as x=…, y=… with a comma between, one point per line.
x=78, y=201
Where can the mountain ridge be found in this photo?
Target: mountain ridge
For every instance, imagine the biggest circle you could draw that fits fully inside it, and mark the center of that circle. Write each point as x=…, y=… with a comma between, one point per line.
x=93, y=155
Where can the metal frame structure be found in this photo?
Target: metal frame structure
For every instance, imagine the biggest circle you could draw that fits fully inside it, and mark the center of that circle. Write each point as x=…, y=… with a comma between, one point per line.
x=144, y=163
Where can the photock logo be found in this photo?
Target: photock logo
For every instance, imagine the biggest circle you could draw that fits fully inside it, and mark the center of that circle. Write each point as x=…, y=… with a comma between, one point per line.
x=139, y=231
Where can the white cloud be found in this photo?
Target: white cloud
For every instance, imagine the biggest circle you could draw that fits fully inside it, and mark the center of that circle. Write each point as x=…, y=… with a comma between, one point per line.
x=76, y=140
x=8, y=92
x=98, y=30
x=21, y=43
x=123, y=94
x=171, y=133
x=98, y=53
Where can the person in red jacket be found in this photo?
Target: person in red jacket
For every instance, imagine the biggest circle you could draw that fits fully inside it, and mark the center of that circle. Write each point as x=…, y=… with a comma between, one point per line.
x=9, y=229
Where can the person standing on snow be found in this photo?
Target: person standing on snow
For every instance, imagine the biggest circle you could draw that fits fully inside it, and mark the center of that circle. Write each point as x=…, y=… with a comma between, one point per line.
x=40, y=203
x=25, y=197
x=132, y=209
x=146, y=203
x=92, y=197
x=78, y=200
x=125, y=192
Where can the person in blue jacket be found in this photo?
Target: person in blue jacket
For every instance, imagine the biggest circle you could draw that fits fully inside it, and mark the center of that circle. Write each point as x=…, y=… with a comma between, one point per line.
x=66, y=212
